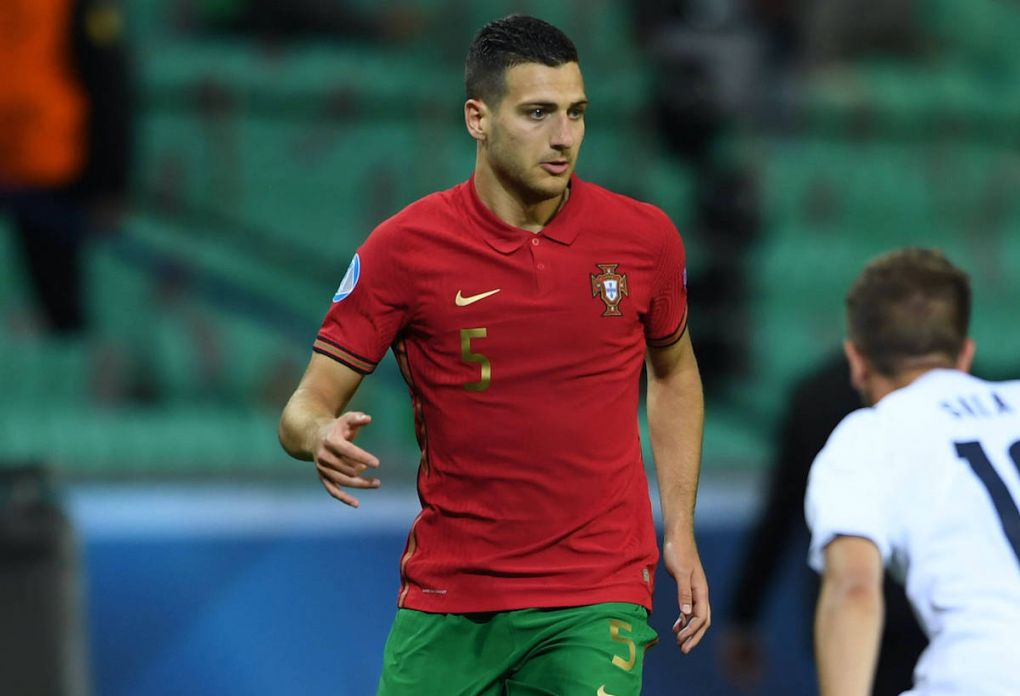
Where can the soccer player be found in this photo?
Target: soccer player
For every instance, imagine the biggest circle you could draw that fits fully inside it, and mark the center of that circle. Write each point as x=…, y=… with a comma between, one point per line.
x=926, y=482
x=817, y=402
x=521, y=306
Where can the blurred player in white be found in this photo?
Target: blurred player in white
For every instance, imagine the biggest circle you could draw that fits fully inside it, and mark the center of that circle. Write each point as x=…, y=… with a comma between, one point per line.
x=924, y=482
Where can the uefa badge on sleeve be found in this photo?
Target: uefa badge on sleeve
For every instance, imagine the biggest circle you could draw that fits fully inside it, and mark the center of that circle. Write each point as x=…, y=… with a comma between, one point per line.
x=611, y=287
x=350, y=280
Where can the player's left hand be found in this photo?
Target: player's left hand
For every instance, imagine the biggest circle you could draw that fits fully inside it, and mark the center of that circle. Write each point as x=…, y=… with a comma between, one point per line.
x=680, y=555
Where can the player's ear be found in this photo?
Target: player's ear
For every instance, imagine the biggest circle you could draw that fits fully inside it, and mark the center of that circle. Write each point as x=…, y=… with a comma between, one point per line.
x=858, y=366
x=966, y=357
x=476, y=118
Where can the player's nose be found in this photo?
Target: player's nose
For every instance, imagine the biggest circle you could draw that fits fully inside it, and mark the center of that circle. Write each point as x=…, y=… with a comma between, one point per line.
x=564, y=133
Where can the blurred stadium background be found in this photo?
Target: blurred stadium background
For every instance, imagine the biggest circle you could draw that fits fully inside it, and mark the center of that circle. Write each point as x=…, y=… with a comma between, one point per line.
x=789, y=141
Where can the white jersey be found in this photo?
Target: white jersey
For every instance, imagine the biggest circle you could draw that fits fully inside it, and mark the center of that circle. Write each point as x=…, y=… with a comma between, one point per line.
x=931, y=475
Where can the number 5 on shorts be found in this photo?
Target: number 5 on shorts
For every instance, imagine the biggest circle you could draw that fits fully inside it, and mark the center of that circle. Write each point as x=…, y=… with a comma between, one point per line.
x=615, y=626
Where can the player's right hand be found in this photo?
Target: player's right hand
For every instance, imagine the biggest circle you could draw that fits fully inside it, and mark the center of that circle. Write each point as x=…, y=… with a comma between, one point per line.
x=339, y=462
x=680, y=556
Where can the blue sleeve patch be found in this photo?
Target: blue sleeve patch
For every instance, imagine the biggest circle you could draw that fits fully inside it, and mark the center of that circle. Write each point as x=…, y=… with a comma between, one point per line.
x=350, y=280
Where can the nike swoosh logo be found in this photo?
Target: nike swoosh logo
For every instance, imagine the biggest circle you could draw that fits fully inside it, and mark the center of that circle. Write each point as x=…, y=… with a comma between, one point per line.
x=465, y=301
x=602, y=691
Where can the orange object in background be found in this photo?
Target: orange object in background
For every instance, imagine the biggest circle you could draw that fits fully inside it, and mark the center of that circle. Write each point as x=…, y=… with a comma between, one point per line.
x=42, y=106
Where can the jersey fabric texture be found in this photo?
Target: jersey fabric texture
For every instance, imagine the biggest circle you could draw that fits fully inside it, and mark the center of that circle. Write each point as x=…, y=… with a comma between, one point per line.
x=523, y=354
x=931, y=475
x=596, y=649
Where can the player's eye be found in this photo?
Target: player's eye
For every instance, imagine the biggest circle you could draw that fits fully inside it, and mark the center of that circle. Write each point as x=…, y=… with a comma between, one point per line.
x=576, y=113
x=537, y=113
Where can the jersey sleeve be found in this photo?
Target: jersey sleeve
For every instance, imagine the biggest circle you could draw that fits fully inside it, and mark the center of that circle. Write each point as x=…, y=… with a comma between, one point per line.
x=666, y=320
x=370, y=307
x=849, y=488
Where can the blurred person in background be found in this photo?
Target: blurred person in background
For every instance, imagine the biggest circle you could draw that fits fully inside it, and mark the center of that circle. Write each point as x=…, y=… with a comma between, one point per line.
x=924, y=481
x=64, y=151
x=704, y=57
x=817, y=403
x=521, y=306
x=65, y=114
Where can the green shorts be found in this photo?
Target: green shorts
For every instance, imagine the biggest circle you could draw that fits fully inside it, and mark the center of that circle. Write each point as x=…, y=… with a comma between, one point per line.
x=595, y=650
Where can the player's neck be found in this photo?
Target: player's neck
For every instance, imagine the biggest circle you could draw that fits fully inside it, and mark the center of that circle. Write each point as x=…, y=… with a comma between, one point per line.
x=882, y=386
x=509, y=206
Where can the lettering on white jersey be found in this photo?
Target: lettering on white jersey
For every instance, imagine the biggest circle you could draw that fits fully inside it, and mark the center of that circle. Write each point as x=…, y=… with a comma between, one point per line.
x=977, y=406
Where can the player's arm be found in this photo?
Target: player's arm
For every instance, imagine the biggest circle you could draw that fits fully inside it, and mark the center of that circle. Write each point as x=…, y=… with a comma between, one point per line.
x=848, y=619
x=676, y=417
x=312, y=428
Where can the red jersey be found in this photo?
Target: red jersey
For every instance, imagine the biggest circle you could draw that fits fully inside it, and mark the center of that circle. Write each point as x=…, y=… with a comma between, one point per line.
x=523, y=354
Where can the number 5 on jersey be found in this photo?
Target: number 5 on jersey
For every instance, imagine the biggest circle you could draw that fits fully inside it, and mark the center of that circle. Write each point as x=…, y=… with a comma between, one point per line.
x=466, y=335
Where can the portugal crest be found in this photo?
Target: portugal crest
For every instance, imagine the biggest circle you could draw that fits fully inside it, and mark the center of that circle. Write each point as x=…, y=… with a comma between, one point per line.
x=611, y=287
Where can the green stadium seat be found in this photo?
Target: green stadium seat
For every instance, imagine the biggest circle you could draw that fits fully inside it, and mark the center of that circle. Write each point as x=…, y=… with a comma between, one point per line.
x=40, y=374
x=174, y=443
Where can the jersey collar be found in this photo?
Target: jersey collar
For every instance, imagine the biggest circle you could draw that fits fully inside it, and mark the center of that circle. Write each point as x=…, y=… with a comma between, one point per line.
x=507, y=239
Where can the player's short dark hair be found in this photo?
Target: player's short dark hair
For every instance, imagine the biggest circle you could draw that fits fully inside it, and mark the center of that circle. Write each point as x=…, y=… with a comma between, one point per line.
x=510, y=41
x=907, y=305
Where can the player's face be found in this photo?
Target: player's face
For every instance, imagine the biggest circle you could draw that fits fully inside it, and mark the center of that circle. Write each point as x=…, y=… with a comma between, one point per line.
x=537, y=128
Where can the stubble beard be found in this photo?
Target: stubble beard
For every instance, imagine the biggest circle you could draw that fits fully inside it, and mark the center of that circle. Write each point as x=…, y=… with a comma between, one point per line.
x=519, y=178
